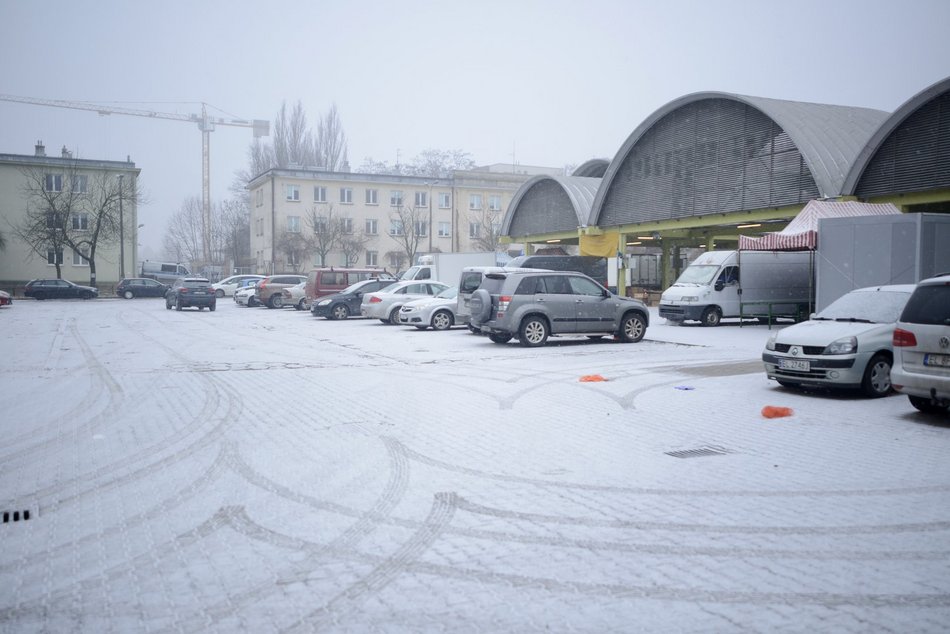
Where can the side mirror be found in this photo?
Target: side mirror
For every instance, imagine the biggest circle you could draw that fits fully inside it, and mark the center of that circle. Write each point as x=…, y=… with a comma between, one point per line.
x=719, y=285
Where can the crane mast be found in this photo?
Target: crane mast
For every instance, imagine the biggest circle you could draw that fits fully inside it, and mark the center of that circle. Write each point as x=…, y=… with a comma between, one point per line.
x=205, y=123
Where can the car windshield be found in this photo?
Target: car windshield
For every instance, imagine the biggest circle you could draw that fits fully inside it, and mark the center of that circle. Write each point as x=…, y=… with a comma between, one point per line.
x=449, y=293
x=879, y=307
x=701, y=274
x=352, y=288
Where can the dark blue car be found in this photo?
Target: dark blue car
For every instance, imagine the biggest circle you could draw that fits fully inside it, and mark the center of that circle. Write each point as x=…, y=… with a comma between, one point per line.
x=347, y=302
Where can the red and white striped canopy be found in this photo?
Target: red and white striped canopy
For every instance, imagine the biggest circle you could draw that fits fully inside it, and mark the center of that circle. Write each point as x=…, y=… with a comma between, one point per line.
x=802, y=232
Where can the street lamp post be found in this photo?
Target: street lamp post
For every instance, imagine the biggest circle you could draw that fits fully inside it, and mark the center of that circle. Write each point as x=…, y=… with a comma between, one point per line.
x=429, y=198
x=121, y=233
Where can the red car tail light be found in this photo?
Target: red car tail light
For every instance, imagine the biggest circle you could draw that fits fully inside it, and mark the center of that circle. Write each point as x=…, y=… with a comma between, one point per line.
x=374, y=299
x=904, y=338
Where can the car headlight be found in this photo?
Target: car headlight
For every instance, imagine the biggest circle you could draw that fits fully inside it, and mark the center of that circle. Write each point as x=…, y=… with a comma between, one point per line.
x=845, y=345
x=770, y=344
x=324, y=302
x=689, y=298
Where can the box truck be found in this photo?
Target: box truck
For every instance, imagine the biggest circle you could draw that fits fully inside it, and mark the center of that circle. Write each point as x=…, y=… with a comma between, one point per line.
x=761, y=284
x=447, y=267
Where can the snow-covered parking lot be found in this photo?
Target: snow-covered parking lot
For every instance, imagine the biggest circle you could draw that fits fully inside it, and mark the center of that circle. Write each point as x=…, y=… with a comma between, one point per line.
x=263, y=470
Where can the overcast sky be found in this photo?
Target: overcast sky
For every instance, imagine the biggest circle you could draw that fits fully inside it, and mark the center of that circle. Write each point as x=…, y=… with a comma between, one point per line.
x=544, y=83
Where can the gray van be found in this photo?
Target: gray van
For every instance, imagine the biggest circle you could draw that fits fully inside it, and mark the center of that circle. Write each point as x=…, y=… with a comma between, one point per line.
x=164, y=272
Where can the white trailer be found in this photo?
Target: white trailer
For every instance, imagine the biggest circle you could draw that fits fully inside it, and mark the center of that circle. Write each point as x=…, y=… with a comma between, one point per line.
x=447, y=267
x=726, y=284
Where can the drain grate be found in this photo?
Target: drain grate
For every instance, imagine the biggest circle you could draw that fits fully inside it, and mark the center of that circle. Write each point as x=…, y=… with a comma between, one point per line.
x=699, y=452
x=16, y=516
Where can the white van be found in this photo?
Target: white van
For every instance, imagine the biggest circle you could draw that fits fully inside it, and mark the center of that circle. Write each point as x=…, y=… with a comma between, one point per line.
x=165, y=272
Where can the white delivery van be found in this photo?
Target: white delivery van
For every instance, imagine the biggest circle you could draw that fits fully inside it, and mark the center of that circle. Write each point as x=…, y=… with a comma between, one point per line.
x=763, y=284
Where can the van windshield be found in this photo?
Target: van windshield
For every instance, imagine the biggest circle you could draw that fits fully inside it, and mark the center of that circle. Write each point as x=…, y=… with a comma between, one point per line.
x=701, y=274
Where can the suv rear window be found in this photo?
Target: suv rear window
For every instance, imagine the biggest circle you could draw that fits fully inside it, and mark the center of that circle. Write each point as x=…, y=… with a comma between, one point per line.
x=493, y=283
x=929, y=305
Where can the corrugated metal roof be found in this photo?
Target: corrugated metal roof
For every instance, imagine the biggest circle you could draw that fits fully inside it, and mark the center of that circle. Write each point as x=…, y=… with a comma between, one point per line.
x=828, y=137
x=594, y=168
x=580, y=190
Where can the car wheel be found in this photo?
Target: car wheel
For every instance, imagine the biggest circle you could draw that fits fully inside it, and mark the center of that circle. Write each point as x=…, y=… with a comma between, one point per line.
x=394, y=315
x=711, y=316
x=927, y=406
x=201, y=308
x=877, y=377
x=480, y=305
x=212, y=306
x=168, y=305
x=252, y=302
x=442, y=320
x=301, y=305
x=533, y=332
x=39, y=296
x=219, y=293
x=85, y=295
x=500, y=338
x=788, y=384
x=632, y=328
x=128, y=295
x=339, y=311
x=178, y=305
x=275, y=301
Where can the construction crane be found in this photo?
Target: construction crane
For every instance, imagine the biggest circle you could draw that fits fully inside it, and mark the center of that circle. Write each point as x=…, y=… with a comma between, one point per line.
x=205, y=123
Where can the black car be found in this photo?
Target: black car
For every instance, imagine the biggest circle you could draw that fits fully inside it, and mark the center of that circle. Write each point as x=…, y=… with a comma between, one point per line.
x=347, y=302
x=58, y=289
x=140, y=287
x=191, y=291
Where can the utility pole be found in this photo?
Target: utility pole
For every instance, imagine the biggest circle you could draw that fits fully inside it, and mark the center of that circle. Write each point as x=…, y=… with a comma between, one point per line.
x=121, y=233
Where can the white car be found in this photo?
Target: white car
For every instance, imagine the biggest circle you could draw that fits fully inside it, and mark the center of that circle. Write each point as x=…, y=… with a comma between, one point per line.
x=847, y=345
x=296, y=296
x=922, y=347
x=229, y=285
x=437, y=312
x=246, y=295
x=384, y=305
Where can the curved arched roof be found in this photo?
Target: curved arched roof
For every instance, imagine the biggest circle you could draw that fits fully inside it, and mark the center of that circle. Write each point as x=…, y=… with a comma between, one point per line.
x=550, y=204
x=885, y=130
x=594, y=168
x=828, y=137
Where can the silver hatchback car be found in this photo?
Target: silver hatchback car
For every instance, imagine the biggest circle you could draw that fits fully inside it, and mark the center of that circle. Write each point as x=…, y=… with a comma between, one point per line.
x=535, y=305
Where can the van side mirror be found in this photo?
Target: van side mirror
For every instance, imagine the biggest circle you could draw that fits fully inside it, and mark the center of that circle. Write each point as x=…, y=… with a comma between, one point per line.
x=719, y=285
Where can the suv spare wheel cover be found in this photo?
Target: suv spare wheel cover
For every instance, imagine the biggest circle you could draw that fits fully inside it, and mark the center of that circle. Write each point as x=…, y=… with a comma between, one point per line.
x=480, y=305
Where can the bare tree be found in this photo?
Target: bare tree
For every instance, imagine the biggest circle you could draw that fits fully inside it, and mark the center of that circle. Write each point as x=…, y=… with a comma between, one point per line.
x=294, y=247
x=326, y=230
x=235, y=223
x=431, y=162
x=183, y=234
x=353, y=246
x=488, y=228
x=73, y=210
x=330, y=146
x=3, y=241
x=408, y=227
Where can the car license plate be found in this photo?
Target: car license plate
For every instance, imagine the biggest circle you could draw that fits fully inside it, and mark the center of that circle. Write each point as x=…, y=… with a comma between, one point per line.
x=939, y=360
x=794, y=364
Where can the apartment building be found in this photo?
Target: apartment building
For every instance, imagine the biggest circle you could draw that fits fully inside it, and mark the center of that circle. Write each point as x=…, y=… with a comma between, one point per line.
x=29, y=182
x=291, y=208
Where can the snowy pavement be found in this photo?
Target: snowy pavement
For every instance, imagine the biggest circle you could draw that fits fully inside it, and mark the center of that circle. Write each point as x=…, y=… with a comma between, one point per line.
x=262, y=470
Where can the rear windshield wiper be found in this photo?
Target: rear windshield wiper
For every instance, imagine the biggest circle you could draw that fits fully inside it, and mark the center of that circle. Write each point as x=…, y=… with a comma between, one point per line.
x=854, y=320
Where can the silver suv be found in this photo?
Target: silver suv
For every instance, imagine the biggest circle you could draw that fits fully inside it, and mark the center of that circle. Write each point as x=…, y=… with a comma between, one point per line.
x=922, y=347
x=535, y=305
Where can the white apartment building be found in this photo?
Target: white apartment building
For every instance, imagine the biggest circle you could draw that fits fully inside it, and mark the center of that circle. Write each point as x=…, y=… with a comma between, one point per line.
x=19, y=263
x=456, y=214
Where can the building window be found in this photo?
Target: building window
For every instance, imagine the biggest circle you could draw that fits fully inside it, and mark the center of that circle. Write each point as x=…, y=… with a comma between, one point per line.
x=260, y=226
x=395, y=260
x=293, y=193
x=79, y=258
x=54, y=220
x=494, y=203
x=293, y=224
x=422, y=199
x=422, y=228
x=319, y=194
x=320, y=224
x=80, y=184
x=395, y=227
x=372, y=197
x=473, y=229
x=260, y=197
x=445, y=229
x=395, y=198
x=347, y=225
x=54, y=182
x=346, y=195
x=445, y=200
x=54, y=256
x=475, y=201
x=80, y=222
x=372, y=258
x=372, y=227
